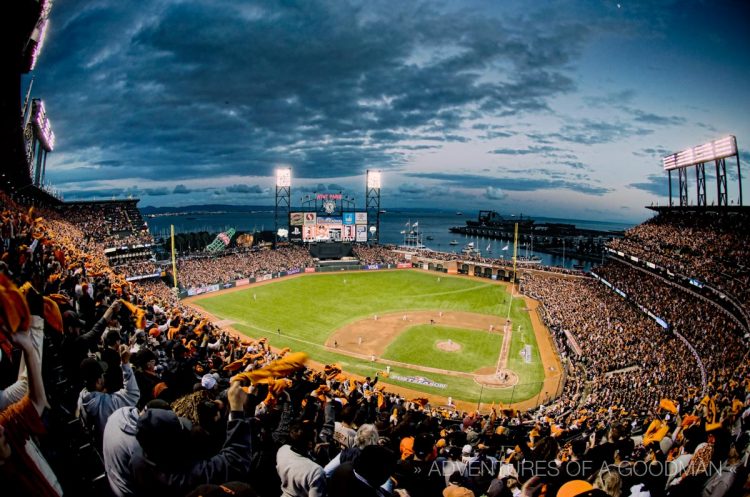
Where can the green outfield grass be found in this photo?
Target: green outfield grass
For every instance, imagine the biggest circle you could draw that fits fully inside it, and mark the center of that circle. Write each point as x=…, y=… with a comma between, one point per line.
x=419, y=345
x=308, y=309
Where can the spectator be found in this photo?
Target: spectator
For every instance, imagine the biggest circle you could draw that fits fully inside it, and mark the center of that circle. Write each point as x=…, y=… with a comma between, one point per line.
x=95, y=404
x=163, y=463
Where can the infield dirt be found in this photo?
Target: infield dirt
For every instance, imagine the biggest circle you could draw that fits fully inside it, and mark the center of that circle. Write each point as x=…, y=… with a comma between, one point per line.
x=377, y=334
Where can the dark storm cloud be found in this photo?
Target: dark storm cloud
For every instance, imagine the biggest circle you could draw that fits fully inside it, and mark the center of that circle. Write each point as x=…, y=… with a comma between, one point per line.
x=321, y=188
x=534, y=149
x=188, y=90
x=653, y=152
x=591, y=132
x=240, y=188
x=181, y=190
x=573, y=164
x=656, y=184
x=412, y=188
x=655, y=119
x=518, y=184
x=94, y=193
x=156, y=192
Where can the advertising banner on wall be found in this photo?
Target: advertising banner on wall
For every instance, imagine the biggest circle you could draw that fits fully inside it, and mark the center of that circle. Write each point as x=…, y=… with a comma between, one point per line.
x=296, y=218
x=360, y=218
x=310, y=218
x=361, y=233
x=350, y=233
x=348, y=218
x=295, y=233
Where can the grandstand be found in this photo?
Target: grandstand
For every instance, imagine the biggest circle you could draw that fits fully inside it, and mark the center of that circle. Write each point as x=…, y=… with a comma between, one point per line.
x=111, y=385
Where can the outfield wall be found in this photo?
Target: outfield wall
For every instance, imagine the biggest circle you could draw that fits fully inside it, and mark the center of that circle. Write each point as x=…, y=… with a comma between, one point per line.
x=193, y=291
x=471, y=268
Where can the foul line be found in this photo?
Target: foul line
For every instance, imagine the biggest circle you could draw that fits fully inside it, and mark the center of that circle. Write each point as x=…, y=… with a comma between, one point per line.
x=365, y=357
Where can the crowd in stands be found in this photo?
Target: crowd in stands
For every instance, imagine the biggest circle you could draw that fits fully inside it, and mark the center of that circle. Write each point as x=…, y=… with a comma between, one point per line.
x=615, y=336
x=377, y=254
x=176, y=406
x=715, y=335
x=713, y=248
x=504, y=262
x=201, y=271
x=112, y=224
x=137, y=268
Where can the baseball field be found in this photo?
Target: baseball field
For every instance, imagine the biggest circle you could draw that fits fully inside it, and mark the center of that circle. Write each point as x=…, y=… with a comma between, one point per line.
x=425, y=333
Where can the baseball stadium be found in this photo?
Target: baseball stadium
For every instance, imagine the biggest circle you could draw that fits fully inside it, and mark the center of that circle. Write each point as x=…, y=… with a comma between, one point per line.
x=155, y=341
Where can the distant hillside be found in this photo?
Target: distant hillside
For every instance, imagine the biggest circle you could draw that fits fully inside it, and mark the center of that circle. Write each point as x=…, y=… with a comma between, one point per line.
x=204, y=208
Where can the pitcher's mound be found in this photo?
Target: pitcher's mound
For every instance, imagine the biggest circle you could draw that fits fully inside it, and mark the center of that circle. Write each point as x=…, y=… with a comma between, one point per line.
x=502, y=379
x=449, y=346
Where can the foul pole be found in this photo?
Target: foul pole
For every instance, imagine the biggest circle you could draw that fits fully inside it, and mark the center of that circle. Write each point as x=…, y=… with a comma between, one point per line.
x=513, y=279
x=174, y=260
x=515, y=250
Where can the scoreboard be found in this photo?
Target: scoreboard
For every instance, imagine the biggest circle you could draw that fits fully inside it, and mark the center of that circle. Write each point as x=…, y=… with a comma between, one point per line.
x=310, y=227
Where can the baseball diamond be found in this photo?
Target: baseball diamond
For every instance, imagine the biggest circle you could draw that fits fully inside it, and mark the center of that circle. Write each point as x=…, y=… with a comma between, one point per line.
x=438, y=330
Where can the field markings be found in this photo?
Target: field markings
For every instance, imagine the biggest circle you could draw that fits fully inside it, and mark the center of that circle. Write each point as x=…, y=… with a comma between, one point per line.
x=502, y=360
x=379, y=360
x=540, y=332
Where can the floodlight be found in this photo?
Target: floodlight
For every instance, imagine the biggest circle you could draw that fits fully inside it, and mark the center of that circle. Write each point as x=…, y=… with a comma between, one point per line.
x=373, y=179
x=717, y=149
x=40, y=32
x=46, y=135
x=283, y=177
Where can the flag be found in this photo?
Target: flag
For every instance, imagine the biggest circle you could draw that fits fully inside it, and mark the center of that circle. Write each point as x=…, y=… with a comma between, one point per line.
x=407, y=224
x=505, y=248
x=403, y=232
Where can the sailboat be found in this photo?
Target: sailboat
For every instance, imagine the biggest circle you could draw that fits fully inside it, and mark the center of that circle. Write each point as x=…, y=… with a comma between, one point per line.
x=470, y=250
x=533, y=259
x=489, y=248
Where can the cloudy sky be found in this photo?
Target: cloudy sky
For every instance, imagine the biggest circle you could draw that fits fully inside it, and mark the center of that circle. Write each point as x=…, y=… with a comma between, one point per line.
x=559, y=108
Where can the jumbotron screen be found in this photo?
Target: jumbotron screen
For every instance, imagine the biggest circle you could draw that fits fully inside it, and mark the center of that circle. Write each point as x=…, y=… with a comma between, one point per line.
x=310, y=227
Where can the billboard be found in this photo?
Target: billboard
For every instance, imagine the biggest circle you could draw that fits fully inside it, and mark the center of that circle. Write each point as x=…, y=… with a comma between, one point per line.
x=310, y=227
x=361, y=231
x=296, y=218
x=295, y=233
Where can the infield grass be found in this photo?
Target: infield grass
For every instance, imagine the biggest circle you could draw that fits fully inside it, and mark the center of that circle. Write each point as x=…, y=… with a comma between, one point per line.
x=419, y=345
x=307, y=309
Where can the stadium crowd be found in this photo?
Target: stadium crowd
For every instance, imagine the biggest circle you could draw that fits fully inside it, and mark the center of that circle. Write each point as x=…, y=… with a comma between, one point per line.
x=377, y=254
x=715, y=335
x=713, y=248
x=111, y=224
x=176, y=406
x=628, y=357
x=201, y=271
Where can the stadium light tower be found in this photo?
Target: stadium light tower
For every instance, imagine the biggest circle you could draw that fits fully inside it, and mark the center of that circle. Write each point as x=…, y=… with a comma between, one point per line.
x=717, y=151
x=283, y=198
x=372, y=194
